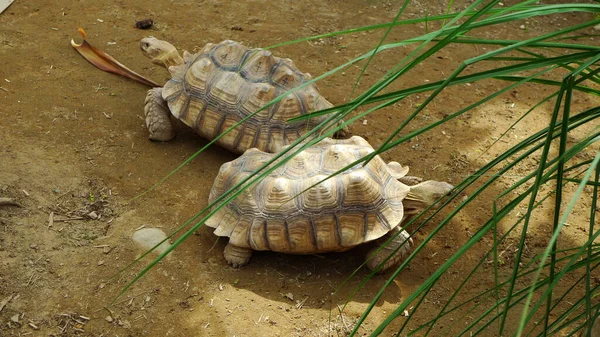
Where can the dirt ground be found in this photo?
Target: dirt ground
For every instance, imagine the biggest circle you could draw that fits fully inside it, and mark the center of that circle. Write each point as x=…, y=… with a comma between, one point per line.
x=73, y=142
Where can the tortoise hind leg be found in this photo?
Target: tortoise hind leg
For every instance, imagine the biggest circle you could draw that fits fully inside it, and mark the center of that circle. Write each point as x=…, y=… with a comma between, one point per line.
x=401, y=239
x=237, y=256
x=158, y=116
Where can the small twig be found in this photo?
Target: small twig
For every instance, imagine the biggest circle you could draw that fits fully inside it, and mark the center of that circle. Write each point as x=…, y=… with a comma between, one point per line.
x=343, y=320
x=99, y=87
x=64, y=327
x=127, y=299
x=78, y=321
x=301, y=303
x=50, y=219
x=9, y=202
x=214, y=245
x=69, y=219
x=32, y=279
x=5, y=301
x=139, y=317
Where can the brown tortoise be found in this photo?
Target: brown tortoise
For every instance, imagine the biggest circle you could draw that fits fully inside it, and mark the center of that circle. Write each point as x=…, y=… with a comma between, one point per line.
x=222, y=84
x=363, y=204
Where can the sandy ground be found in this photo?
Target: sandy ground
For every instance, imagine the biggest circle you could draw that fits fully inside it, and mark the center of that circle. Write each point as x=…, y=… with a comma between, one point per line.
x=73, y=142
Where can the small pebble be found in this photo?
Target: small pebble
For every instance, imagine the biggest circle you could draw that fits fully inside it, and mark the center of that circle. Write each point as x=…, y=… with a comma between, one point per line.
x=150, y=237
x=101, y=262
x=92, y=215
x=15, y=318
x=109, y=319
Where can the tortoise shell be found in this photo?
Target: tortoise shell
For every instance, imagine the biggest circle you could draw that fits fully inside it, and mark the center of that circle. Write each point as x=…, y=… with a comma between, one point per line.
x=227, y=82
x=284, y=212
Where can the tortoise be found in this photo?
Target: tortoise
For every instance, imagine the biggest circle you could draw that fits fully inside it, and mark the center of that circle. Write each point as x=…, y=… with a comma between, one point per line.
x=284, y=212
x=224, y=83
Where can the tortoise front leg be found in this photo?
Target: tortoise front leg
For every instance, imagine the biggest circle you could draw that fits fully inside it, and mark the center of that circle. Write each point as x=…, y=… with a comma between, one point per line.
x=237, y=256
x=158, y=116
x=401, y=239
x=410, y=180
x=399, y=172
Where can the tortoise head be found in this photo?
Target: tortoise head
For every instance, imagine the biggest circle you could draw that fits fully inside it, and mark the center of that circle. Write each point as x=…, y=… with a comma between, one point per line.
x=424, y=194
x=160, y=52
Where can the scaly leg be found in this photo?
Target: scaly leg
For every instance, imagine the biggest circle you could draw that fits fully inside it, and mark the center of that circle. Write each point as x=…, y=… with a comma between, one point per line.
x=410, y=180
x=237, y=256
x=158, y=116
x=401, y=239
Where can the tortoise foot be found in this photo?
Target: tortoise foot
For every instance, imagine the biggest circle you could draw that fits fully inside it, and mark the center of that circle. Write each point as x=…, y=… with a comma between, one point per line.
x=237, y=256
x=342, y=133
x=377, y=256
x=158, y=116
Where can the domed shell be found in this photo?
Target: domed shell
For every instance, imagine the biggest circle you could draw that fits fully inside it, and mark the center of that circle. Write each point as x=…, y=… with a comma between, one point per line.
x=227, y=82
x=284, y=212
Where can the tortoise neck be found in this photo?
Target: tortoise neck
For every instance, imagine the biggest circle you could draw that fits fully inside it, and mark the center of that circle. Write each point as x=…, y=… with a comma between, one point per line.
x=169, y=59
x=425, y=194
x=414, y=203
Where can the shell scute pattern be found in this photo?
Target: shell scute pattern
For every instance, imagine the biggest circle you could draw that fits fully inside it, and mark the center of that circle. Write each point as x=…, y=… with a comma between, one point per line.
x=226, y=82
x=326, y=229
x=260, y=95
x=228, y=55
x=258, y=234
x=324, y=197
x=199, y=75
x=285, y=77
x=337, y=214
x=258, y=66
